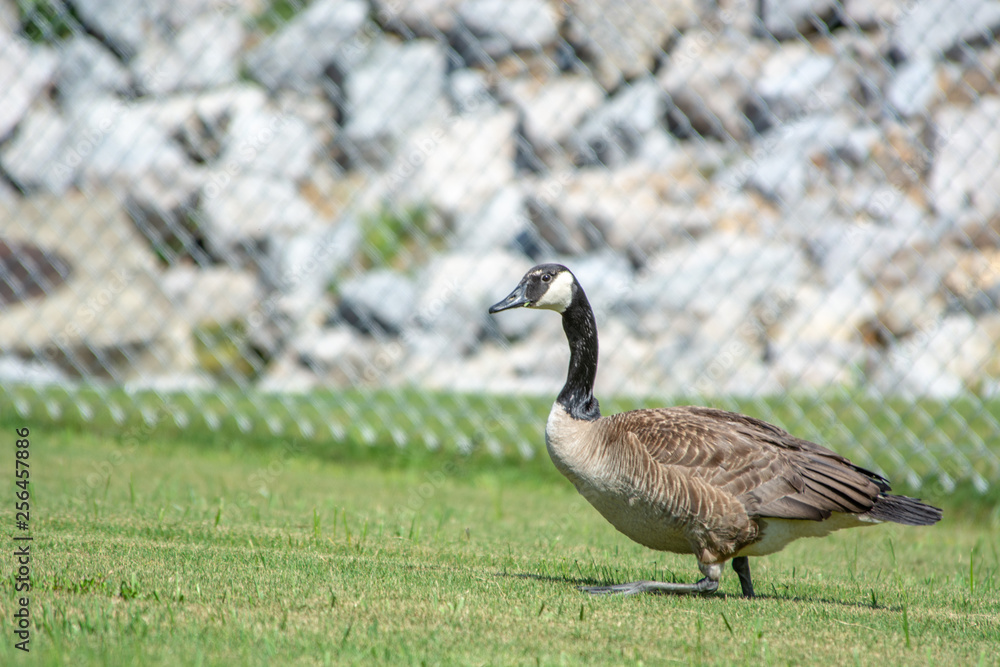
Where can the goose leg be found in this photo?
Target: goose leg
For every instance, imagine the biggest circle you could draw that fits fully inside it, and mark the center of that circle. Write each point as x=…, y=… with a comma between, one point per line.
x=741, y=565
x=707, y=585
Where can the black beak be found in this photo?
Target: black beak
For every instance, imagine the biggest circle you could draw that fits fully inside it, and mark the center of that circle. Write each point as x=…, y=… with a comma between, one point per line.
x=516, y=299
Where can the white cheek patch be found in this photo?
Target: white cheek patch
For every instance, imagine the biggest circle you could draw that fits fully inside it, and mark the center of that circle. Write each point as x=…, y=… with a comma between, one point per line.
x=559, y=295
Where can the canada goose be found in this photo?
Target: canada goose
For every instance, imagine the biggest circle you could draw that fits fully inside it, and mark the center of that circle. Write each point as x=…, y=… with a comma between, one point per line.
x=695, y=480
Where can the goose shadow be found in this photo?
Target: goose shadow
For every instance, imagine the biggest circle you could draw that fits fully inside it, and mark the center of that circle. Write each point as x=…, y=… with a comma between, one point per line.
x=776, y=595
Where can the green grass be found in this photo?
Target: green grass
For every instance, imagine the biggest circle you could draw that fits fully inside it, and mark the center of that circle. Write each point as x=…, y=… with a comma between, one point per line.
x=223, y=351
x=200, y=548
x=277, y=13
x=398, y=239
x=47, y=22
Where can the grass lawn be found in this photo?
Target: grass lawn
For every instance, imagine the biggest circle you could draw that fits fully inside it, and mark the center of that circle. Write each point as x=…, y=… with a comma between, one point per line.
x=221, y=550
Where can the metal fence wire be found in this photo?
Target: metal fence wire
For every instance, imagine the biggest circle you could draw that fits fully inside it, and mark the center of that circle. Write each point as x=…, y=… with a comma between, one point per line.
x=291, y=215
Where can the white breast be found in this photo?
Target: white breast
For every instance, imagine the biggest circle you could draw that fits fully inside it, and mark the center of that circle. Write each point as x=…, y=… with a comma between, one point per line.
x=604, y=480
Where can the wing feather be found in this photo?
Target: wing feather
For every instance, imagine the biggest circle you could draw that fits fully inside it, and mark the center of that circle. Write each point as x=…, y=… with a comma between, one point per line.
x=773, y=473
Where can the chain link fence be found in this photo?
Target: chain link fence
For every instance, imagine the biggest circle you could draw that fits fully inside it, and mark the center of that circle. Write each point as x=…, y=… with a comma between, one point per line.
x=291, y=216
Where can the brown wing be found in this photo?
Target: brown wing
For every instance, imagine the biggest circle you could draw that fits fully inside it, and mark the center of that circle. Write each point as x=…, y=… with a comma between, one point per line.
x=773, y=473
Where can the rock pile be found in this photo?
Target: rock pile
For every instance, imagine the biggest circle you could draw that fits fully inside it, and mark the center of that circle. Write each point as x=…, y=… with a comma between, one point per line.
x=757, y=196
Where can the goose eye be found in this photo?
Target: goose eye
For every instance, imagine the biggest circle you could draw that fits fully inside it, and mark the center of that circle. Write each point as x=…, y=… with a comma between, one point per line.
x=546, y=277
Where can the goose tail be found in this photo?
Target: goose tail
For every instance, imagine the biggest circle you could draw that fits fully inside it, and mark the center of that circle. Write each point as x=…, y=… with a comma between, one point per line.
x=904, y=510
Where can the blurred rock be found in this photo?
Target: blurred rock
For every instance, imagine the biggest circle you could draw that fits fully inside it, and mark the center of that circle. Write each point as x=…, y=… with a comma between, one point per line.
x=470, y=91
x=719, y=279
x=122, y=140
x=423, y=18
x=909, y=308
x=974, y=279
x=536, y=362
x=267, y=141
x=691, y=365
x=912, y=260
x=788, y=156
x=976, y=76
x=785, y=19
x=622, y=42
x=966, y=172
x=409, y=76
x=304, y=263
x=172, y=383
x=337, y=355
x=88, y=69
x=110, y=318
x=857, y=146
x=214, y=295
x=795, y=82
x=204, y=54
x=708, y=78
x=531, y=367
x=288, y=374
x=163, y=197
x=497, y=224
x=842, y=247
x=240, y=211
x=630, y=365
x=618, y=130
x=913, y=88
x=817, y=364
x=35, y=158
x=872, y=14
x=498, y=27
x=327, y=32
x=378, y=302
x=658, y=150
x=626, y=208
x=124, y=24
x=939, y=360
x=452, y=308
x=551, y=109
x=216, y=107
x=932, y=28
x=109, y=143
x=9, y=15
x=25, y=71
x=454, y=166
x=822, y=313
x=30, y=270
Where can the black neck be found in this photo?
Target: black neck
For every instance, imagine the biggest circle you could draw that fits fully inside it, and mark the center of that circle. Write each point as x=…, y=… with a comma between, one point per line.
x=577, y=395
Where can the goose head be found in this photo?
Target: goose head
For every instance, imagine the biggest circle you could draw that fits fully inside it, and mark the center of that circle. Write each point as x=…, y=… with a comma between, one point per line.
x=549, y=286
